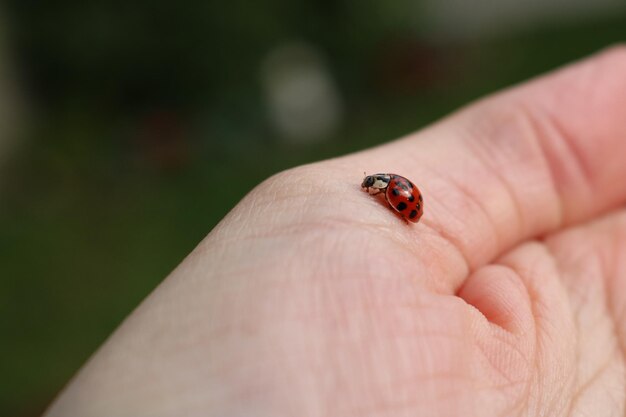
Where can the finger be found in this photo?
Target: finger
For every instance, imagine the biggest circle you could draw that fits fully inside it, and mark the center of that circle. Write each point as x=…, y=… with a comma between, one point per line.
x=551, y=318
x=517, y=165
x=593, y=274
x=593, y=271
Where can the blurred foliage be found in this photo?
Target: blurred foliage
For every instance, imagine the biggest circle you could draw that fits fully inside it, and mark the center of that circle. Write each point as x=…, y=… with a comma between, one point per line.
x=134, y=108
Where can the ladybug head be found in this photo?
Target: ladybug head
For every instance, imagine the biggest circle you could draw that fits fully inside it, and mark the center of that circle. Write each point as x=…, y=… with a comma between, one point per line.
x=368, y=181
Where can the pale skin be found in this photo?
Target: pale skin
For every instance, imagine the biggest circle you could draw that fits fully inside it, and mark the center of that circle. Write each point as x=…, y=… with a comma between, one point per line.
x=312, y=298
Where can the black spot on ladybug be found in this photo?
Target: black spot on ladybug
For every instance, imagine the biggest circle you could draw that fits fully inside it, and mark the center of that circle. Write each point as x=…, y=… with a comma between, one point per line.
x=401, y=206
x=411, y=198
x=413, y=214
x=395, y=192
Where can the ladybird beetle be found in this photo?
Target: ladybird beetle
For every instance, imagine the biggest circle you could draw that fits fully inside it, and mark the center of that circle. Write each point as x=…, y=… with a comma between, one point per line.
x=400, y=193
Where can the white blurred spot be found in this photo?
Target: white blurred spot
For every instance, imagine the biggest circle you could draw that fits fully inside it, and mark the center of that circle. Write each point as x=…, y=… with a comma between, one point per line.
x=303, y=101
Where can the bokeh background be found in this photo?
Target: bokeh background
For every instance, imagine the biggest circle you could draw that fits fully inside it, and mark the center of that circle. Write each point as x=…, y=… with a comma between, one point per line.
x=118, y=119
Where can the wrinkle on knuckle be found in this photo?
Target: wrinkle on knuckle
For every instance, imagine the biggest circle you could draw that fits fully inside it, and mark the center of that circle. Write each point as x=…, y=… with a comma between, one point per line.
x=502, y=134
x=462, y=215
x=285, y=185
x=284, y=192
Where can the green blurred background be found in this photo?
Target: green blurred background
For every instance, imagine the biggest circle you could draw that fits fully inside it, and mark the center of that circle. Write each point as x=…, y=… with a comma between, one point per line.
x=118, y=117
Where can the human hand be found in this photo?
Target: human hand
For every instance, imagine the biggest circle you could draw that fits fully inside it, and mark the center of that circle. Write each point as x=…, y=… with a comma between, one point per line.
x=311, y=298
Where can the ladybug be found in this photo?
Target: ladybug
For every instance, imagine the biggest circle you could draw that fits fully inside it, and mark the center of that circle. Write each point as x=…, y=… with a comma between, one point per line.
x=400, y=193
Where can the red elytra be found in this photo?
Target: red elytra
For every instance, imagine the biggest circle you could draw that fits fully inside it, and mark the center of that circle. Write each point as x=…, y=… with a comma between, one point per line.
x=401, y=194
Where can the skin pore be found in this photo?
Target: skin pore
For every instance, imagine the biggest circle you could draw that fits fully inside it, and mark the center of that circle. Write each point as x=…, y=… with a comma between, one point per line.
x=311, y=298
